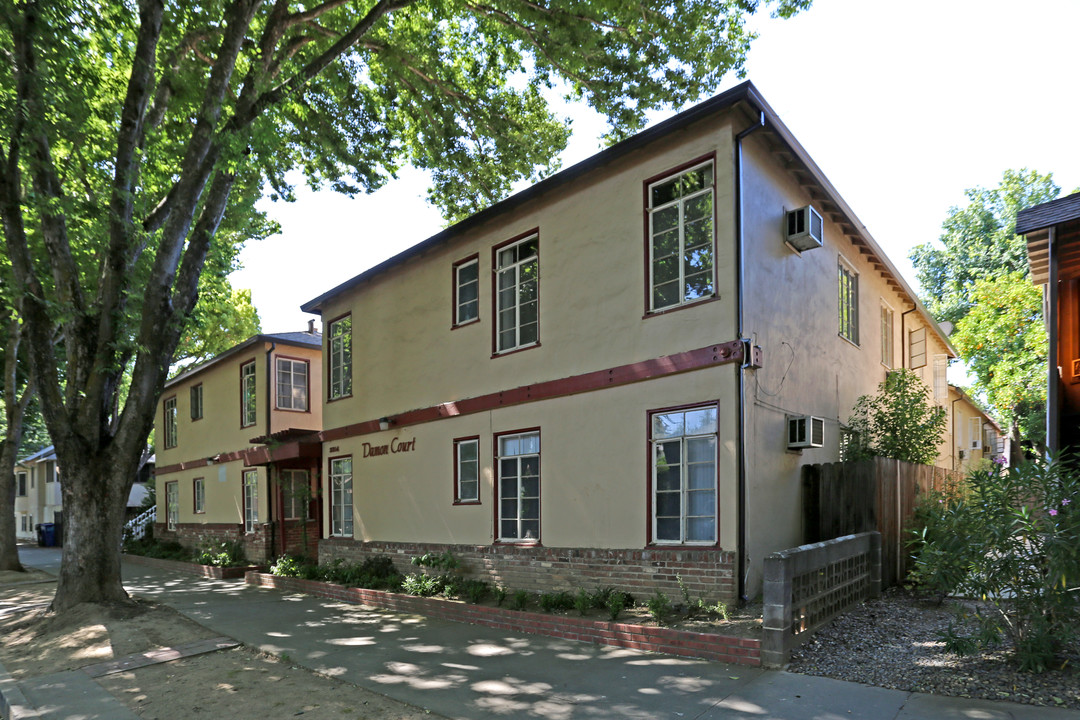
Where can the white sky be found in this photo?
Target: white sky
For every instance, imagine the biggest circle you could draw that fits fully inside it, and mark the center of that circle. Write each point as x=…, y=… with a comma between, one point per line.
x=902, y=105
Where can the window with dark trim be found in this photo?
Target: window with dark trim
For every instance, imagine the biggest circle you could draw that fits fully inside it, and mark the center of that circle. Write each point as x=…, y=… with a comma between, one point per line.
x=20, y=484
x=292, y=384
x=518, y=507
x=681, y=238
x=341, y=497
x=197, y=402
x=251, y=500
x=339, y=344
x=171, y=434
x=517, y=294
x=467, y=470
x=295, y=494
x=848, y=282
x=172, y=504
x=683, y=446
x=248, y=407
x=199, y=495
x=467, y=291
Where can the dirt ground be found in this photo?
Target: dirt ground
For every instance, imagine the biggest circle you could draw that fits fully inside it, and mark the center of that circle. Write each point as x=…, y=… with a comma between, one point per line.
x=236, y=683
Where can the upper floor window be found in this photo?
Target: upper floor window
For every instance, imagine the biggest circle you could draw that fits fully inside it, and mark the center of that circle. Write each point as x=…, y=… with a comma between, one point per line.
x=517, y=277
x=886, y=336
x=941, y=382
x=20, y=484
x=247, y=394
x=975, y=432
x=917, y=348
x=196, y=402
x=170, y=423
x=849, y=301
x=292, y=384
x=467, y=470
x=681, y=238
x=684, y=503
x=50, y=471
x=340, y=347
x=467, y=291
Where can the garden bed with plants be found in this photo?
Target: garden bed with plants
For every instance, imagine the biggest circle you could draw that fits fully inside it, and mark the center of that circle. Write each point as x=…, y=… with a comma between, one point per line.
x=222, y=561
x=688, y=627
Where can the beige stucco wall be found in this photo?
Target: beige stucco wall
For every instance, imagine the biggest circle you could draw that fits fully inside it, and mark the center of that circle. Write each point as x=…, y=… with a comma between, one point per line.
x=223, y=485
x=592, y=295
x=792, y=310
x=593, y=468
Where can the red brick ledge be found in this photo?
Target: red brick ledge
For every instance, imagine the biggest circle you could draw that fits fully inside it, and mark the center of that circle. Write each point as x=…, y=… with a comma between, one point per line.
x=683, y=643
x=209, y=571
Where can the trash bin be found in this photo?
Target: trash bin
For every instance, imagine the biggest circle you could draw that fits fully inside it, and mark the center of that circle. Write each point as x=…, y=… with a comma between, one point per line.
x=48, y=534
x=40, y=535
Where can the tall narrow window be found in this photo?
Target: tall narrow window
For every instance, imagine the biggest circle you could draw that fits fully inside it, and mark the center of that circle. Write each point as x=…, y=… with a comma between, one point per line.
x=170, y=424
x=296, y=492
x=247, y=394
x=50, y=471
x=517, y=277
x=292, y=384
x=467, y=470
x=684, y=505
x=917, y=348
x=466, y=291
x=20, y=484
x=941, y=381
x=519, y=487
x=340, y=347
x=172, y=505
x=199, y=492
x=849, y=301
x=341, y=497
x=681, y=238
x=251, y=500
x=196, y=402
x=886, y=336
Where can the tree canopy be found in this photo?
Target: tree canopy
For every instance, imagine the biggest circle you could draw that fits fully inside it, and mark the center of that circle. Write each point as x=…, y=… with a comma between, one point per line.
x=899, y=422
x=137, y=135
x=976, y=277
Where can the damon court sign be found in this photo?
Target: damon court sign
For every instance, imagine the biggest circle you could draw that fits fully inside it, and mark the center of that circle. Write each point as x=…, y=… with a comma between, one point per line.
x=397, y=445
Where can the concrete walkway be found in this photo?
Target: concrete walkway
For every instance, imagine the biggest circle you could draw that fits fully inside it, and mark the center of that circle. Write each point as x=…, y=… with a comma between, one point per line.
x=467, y=671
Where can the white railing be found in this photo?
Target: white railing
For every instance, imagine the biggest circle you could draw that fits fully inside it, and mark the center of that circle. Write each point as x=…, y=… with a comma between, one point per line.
x=136, y=527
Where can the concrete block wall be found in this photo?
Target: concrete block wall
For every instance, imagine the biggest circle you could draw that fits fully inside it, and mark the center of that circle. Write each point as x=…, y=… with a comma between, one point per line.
x=707, y=573
x=807, y=586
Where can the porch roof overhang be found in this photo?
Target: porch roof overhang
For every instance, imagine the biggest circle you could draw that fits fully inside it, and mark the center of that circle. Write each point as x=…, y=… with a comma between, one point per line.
x=1035, y=222
x=283, y=446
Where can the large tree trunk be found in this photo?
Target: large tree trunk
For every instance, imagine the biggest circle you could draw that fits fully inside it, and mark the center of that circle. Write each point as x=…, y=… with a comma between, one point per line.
x=14, y=413
x=9, y=552
x=95, y=497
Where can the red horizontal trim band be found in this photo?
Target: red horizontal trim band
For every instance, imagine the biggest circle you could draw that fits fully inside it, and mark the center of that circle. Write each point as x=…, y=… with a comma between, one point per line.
x=219, y=459
x=713, y=355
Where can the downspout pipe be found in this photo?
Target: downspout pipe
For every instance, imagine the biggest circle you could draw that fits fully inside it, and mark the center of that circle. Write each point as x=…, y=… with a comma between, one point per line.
x=955, y=439
x=269, y=432
x=740, y=543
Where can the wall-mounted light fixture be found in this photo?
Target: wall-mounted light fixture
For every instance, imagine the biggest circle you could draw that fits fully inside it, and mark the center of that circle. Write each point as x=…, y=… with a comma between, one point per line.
x=385, y=423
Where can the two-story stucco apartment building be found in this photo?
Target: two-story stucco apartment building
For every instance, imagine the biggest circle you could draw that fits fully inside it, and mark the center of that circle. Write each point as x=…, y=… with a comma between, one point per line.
x=217, y=423
x=614, y=376
x=37, y=493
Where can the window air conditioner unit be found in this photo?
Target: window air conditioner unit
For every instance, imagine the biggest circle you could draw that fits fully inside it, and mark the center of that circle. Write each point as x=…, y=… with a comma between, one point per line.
x=805, y=431
x=805, y=229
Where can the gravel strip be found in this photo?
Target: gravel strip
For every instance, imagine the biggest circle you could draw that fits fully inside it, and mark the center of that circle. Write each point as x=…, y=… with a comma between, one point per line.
x=894, y=642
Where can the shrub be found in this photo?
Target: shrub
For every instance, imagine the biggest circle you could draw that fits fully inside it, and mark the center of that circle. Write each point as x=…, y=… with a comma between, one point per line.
x=616, y=603
x=582, y=601
x=221, y=554
x=520, y=600
x=421, y=585
x=900, y=422
x=439, y=561
x=475, y=590
x=659, y=607
x=161, y=549
x=601, y=598
x=500, y=595
x=290, y=566
x=556, y=602
x=1012, y=542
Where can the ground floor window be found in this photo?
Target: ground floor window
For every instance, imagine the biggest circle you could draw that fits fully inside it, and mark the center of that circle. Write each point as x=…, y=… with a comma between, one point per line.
x=199, y=491
x=24, y=524
x=519, y=487
x=341, y=497
x=296, y=494
x=251, y=500
x=467, y=470
x=683, y=499
x=172, y=505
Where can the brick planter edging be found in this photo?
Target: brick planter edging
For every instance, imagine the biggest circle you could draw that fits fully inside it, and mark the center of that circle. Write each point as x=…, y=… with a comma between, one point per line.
x=209, y=571
x=683, y=643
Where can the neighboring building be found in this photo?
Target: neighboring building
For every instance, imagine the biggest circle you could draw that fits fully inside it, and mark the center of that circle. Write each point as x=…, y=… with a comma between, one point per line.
x=614, y=377
x=37, y=494
x=213, y=484
x=971, y=435
x=1053, y=245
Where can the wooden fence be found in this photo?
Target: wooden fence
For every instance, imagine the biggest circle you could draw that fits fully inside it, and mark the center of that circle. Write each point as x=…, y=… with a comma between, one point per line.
x=877, y=494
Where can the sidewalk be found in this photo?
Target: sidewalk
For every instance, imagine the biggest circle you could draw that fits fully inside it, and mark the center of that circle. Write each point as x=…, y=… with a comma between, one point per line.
x=467, y=671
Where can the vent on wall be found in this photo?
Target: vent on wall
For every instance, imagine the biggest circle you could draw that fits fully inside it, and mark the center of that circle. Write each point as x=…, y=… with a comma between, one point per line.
x=805, y=431
x=804, y=229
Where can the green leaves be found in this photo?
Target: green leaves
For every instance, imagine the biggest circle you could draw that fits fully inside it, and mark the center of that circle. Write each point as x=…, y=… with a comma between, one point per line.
x=900, y=422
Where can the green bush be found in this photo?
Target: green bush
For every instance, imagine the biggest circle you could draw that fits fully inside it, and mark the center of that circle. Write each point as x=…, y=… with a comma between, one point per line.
x=616, y=603
x=421, y=585
x=659, y=607
x=161, y=549
x=582, y=601
x=221, y=554
x=500, y=595
x=439, y=561
x=602, y=597
x=291, y=566
x=520, y=600
x=475, y=590
x=556, y=601
x=1011, y=541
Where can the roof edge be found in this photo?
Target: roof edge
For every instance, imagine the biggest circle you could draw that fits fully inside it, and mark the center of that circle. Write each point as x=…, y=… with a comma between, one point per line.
x=234, y=350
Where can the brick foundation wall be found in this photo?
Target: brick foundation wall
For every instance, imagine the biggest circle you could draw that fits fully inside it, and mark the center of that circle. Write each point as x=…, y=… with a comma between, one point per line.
x=707, y=573
x=719, y=648
x=210, y=571
x=257, y=545
x=294, y=538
